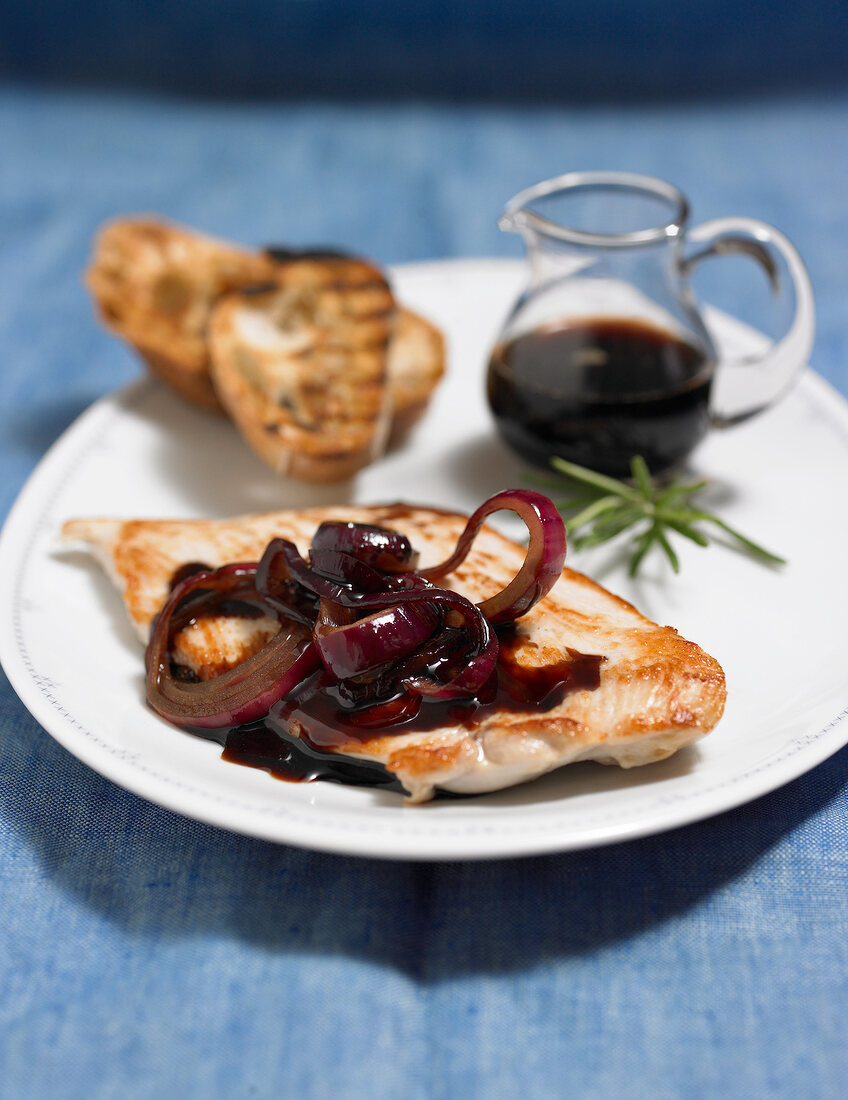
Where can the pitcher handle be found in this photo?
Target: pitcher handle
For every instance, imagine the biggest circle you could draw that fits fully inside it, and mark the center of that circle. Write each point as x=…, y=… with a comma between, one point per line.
x=768, y=376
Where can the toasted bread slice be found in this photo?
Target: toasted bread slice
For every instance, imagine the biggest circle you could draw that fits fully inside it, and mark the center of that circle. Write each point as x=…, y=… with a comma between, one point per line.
x=155, y=283
x=657, y=692
x=301, y=366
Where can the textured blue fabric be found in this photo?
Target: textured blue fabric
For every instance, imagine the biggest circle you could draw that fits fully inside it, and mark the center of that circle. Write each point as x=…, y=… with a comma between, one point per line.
x=490, y=49
x=144, y=955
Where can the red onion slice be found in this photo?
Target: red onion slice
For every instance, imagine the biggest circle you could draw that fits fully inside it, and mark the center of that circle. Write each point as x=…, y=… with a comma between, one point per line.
x=243, y=693
x=542, y=564
x=380, y=547
x=386, y=636
x=282, y=563
x=469, y=681
x=335, y=565
x=282, y=560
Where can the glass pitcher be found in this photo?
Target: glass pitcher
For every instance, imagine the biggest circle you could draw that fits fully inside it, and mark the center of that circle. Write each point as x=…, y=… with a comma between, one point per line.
x=605, y=355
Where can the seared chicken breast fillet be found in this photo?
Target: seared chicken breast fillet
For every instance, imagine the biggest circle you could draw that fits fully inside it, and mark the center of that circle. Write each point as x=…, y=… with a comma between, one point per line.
x=657, y=691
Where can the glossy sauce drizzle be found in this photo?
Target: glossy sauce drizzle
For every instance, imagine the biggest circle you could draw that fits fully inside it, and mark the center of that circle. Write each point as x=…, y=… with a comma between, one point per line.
x=304, y=736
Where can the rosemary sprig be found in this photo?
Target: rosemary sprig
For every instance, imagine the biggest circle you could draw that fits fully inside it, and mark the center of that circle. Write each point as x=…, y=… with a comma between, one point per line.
x=597, y=508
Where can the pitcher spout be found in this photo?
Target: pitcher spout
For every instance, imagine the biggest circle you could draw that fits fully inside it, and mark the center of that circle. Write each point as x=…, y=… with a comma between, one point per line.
x=508, y=222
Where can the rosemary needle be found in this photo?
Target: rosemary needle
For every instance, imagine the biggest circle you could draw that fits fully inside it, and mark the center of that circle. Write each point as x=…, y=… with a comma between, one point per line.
x=597, y=508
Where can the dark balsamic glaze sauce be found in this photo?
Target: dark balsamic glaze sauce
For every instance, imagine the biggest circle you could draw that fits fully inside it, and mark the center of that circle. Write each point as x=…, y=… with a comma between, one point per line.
x=267, y=745
x=599, y=391
x=304, y=737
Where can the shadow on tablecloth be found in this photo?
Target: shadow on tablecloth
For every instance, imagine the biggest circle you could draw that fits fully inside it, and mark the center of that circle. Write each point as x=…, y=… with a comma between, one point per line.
x=160, y=877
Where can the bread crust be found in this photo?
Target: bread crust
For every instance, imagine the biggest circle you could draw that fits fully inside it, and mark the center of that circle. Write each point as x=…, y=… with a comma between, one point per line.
x=415, y=368
x=155, y=283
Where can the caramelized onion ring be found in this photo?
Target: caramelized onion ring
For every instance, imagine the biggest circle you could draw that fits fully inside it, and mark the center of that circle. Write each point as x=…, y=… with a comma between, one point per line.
x=389, y=634
x=243, y=693
x=382, y=631
x=542, y=564
x=378, y=546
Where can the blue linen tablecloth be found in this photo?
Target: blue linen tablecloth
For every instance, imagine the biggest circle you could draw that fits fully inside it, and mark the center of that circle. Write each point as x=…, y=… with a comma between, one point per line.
x=147, y=955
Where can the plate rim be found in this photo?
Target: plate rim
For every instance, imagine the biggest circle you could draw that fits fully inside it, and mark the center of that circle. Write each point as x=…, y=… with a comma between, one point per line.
x=28, y=515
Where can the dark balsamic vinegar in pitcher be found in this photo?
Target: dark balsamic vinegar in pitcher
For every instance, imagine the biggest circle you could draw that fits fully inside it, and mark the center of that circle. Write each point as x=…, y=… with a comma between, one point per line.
x=599, y=391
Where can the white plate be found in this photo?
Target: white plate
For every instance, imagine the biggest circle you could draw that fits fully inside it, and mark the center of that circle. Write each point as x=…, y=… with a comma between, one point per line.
x=780, y=635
